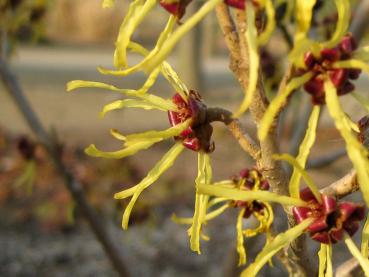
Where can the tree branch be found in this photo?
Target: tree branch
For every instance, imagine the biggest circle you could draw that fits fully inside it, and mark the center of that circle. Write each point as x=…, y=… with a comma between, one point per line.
x=13, y=88
x=235, y=127
x=350, y=268
x=344, y=186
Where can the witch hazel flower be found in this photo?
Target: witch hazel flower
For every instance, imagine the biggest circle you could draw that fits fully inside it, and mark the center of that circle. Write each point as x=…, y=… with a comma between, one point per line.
x=327, y=71
x=332, y=219
x=323, y=218
x=251, y=183
x=166, y=41
x=198, y=135
x=323, y=65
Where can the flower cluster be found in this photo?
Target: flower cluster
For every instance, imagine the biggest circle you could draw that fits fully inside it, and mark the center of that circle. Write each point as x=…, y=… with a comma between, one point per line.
x=198, y=135
x=331, y=219
x=323, y=66
x=324, y=69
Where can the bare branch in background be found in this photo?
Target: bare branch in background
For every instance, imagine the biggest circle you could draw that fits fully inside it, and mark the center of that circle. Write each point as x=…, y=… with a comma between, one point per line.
x=344, y=186
x=350, y=268
x=13, y=88
x=360, y=22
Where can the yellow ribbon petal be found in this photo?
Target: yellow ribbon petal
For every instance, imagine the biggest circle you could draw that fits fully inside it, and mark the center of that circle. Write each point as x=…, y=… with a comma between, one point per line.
x=274, y=246
x=125, y=152
x=163, y=165
x=292, y=161
x=130, y=103
x=149, y=55
x=136, y=14
x=251, y=38
x=269, y=28
x=263, y=196
x=304, y=151
x=179, y=33
x=365, y=239
x=204, y=177
x=364, y=262
x=356, y=151
x=344, y=15
x=240, y=241
x=154, y=135
x=352, y=64
x=278, y=102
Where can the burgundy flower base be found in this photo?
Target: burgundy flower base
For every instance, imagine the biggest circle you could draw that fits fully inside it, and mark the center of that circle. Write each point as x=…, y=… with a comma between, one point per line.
x=197, y=136
x=332, y=219
x=320, y=66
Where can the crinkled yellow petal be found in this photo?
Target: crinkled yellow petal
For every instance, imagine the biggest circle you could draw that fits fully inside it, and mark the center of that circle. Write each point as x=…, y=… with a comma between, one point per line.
x=154, y=135
x=365, y=239
x=352, y=64
x=163, y=165
x=125, y=152
x=204, y=177
x=363, y=101
x=72, y=85
x=251, y=38
x=351, y=124
x=304, y=14
x=216, y=201
x=162, y=38
x=356, y=151
x=130, y=103
x=329, y=271
x=108, y=3
x=136, y=13
x=270, y=26
x=263, y=196
x=322, y=259
x=141, y=93
x=166, y=49
x=166, y=70
x=304, y=151
x=240, y=241
x=344, y=15
x=364, y=262
x=274, y=246
x=209, y=216
x=297, y=166
x=118, y=135
x=361, y=54
x=278, y=102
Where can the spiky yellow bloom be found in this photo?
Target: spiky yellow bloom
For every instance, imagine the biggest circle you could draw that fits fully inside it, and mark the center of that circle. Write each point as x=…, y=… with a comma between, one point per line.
x=248, y=181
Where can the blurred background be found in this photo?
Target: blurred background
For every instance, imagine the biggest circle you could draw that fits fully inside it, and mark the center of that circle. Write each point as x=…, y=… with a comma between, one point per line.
x=42, y=233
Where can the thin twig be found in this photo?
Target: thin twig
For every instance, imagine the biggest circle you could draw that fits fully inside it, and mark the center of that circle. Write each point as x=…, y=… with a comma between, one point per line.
x=235, y=127
x=350, y=268
x=13, y=88
x=344, y=186
x=326, y=160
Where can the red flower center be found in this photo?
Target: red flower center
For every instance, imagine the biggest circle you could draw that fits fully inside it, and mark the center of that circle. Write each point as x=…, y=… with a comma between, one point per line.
x=320, y=66
x=331, y=219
